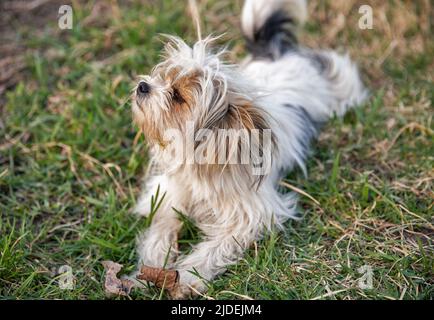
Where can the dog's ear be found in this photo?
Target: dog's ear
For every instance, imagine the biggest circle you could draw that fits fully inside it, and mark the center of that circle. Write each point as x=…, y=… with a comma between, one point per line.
x=244, y=115
x=256, y=137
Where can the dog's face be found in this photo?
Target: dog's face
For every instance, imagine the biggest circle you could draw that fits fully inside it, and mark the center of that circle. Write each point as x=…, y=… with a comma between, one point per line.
x=165, y=98
x=192, y=84
x=193, y=87
x=174, y=91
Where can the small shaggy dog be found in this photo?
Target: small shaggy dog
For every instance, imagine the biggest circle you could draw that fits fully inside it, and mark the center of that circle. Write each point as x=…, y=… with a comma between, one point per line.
x=268, y=108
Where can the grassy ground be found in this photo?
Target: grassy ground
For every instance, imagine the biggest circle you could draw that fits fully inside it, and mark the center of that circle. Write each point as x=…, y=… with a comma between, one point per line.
x=70, y=166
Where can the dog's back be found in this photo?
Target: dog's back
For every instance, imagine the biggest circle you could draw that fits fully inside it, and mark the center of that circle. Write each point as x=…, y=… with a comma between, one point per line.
x=300, y=88
x=322, y=82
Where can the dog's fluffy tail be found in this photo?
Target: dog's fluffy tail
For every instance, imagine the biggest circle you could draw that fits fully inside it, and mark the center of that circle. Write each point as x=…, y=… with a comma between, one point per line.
x=270, y=26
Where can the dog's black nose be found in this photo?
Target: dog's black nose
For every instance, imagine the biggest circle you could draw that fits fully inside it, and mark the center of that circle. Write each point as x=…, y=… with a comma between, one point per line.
x=143, y=88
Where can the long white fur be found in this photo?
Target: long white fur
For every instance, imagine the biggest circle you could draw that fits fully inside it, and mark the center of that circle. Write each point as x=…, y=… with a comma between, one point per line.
x=230, y=213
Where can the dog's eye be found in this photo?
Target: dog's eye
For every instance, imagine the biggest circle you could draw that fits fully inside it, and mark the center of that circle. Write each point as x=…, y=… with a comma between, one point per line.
x=177, y=96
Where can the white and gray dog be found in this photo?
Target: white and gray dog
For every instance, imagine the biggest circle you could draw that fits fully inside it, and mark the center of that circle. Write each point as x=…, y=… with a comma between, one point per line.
x=280, y=88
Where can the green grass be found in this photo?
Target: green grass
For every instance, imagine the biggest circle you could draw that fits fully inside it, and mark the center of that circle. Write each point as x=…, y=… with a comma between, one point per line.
x=70, y=170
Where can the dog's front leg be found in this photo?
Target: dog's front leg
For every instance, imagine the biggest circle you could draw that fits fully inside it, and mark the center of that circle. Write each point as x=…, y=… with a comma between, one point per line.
x=225, y=244
x=157, y=245
x=153, y=184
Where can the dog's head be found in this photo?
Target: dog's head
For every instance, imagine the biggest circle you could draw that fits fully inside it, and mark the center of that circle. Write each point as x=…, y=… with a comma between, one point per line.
x=194, y=85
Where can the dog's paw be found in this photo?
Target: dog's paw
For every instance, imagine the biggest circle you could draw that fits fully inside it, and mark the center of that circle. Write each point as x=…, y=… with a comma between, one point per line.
x=133, y=277
x=187, y=291
x=189, y=286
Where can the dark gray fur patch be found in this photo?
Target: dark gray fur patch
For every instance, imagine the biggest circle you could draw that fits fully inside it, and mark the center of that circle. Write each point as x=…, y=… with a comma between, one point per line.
x=274, y=38
x=318, y=60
